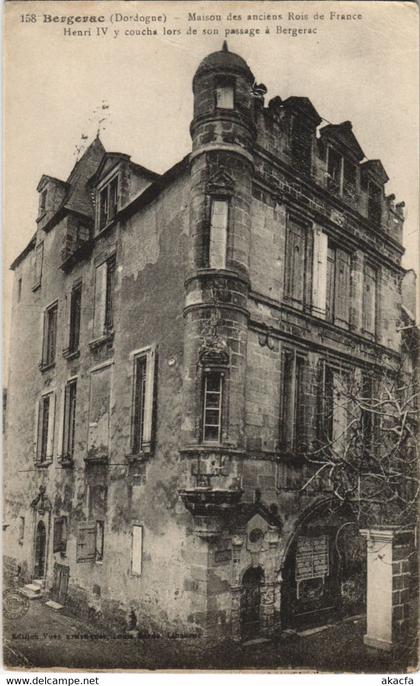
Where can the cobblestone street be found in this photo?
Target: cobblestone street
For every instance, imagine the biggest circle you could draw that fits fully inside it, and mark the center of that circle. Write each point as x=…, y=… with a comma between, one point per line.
x=44, y=638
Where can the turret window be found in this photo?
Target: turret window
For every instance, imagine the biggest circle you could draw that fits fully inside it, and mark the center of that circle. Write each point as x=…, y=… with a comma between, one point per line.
x=212, y=407
x=218, y=233
x=225, y=96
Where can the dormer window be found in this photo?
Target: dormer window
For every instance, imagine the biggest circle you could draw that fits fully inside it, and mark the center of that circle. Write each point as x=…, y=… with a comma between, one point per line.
x=43, y=202
x=225, y=95
x=108, y=202
x=334, y=169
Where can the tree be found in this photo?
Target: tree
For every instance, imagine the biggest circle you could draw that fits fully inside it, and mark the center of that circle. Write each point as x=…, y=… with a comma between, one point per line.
x=366, y=451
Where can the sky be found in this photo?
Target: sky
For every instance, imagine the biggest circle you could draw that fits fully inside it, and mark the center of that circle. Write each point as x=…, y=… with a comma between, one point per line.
x=362, y=70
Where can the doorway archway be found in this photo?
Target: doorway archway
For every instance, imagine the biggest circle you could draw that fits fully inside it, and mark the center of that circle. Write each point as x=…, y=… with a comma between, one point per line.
x=252, y=581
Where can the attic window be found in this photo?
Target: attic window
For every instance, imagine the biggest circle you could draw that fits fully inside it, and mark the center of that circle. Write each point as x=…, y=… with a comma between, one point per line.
x=108, y=202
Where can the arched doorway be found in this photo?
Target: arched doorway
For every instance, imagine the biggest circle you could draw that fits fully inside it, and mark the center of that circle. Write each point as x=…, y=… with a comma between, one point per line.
x=251, y=602
x=324, y=571
x=40, y=546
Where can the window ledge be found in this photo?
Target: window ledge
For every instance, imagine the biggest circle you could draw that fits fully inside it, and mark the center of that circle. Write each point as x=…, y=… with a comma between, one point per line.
x=141, y=456
x=65, y=461
x=106, y=339
x=44, y=464
x=44, y=366
x=36, y=286
x=71, y=354
x=96, y=459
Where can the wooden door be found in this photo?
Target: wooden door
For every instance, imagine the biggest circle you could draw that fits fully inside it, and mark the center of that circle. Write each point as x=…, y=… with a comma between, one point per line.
x=251, y=602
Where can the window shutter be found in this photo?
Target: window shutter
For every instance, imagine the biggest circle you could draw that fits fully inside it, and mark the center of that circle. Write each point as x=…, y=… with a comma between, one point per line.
x=61, y=403
x=100, y=300
x=319, y=283
x=295, y=262
x=218, y=233
x=369, y=300
x=149, y=400
x=342, y=299
x=86, y=542
x=37, y=432
x=58, y=523
x=136, y=550
x=45, y=337
x=51, y=424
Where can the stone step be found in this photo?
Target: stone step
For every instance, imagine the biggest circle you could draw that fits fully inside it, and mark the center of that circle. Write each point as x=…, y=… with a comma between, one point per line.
x=32, y=595
x=33, y=587
x=53, y=605
x=38, y=582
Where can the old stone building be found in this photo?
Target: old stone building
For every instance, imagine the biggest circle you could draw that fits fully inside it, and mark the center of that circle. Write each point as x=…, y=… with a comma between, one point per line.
x=174, y=338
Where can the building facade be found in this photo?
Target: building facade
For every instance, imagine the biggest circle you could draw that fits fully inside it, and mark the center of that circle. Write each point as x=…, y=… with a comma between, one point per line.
x=174, y=338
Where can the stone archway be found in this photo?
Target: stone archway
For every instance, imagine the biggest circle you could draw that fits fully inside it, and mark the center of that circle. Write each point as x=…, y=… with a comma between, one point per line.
x=324, y=568
x=250, y=608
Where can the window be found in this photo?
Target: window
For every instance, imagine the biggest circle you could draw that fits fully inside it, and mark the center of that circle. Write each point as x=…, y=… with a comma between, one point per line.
x=104, y=297
x=90, y=541
x=225, y=96
x=292, y=401
x=374, y=203
x=43, y=202
x=21, y=532
x=136, y=549
x=212, y=409
x=218, y=233
x=369, y=418
x=108, y=202
x=334, y=168
x=143, y=401
x=45, y=428
x=301, y=144
x=50, y=335
x=19, y=290
x=349, y=177
x=75, y=312
x=69, y=419
x=331, y=281
x=38, y=260
x=100, y=527
x=295, y=264
x=334, y=407
x=60, y=535
x=369, y=299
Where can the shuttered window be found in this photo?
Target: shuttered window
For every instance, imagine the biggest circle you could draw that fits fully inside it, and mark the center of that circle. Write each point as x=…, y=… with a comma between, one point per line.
x=69, y=419
x=86, y=542
x=338, y=286
x=75, y=312
x=319, y=280
x=38, y=262
x=45, y=428
x=108, y=201
x=295, y=264
x=218, y=233
x=50, y=335
x=330, y=300
x=104, y=297
x=143, y=401
x=342, y=289
x=369, y=299
x=60, y=535
x=292, y=428
x=334, y=404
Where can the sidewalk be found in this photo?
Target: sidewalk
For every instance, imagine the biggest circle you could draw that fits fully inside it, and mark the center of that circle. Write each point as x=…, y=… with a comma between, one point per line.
x=47, y=639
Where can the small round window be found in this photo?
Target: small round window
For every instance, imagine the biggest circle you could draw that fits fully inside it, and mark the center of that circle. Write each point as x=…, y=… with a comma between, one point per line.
x=255, y=535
